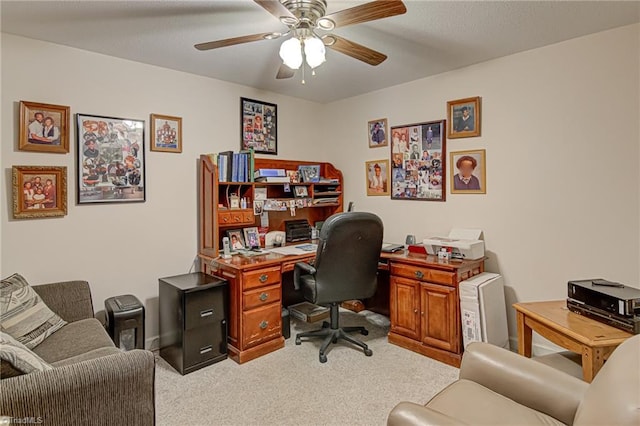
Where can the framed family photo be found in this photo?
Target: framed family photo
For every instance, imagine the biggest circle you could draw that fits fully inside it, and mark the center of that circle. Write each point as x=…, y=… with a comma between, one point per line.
x=166, y=132
x=44, y=127
x=39, y=191
x=110, y=159
x=236, y=239
x=463, y=116
x=377, y=177
x=378, y=132
x=469, y=172
x=259, y=126
x=418, y=166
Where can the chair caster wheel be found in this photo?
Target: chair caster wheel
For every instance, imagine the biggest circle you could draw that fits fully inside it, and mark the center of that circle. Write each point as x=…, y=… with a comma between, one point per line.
x=298, y=341
x=364, y=332
x=323, y=358
x=334, y=340
x=368, y=352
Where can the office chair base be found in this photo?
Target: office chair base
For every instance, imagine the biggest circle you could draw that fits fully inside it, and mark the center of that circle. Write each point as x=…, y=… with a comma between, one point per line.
x=332, y=335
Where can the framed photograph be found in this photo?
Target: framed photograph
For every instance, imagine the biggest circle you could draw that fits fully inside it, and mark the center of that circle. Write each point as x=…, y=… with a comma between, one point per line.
x=300, y=191
x=378, y=133
x=44, y=127
x=110, y=159
x=468, y=172
x=418, y=154
x=39, y=191
x=377, y=177
x=166, y=132
x=309, y=173
x=236, y=240
x=463, y=116
x=259, y=126
x=251, y=237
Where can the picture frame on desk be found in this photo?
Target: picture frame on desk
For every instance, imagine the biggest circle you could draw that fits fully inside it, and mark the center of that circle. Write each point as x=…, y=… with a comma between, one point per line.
x=309, y=173
x=236, y=239
x=259, y=126
x=418, y=155
x=251, y=237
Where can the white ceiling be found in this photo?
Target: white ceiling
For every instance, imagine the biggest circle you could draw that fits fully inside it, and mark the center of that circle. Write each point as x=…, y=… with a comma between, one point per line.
x=431, y=38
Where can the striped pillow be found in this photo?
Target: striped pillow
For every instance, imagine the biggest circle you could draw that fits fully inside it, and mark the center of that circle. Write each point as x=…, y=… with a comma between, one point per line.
x=19, y=357
x=24, y=315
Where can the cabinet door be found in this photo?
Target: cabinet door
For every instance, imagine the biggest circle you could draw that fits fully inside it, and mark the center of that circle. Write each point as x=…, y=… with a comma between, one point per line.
x=404, y=306
x=440, y=322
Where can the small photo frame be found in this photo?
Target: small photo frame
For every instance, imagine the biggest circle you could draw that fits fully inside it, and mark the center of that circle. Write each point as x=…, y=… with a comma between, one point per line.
x=258, y=126
x=300, y=191
x=309, y=173
x=44, y=127
x=377, y=177
x=236, y=239
x=378, y=133
x=463, y=117
x=39, y=191
x=251, y=237
x=166, y=133
x=468, y=174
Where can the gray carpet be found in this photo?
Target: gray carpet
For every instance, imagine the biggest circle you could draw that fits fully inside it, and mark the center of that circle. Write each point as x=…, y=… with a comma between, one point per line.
x=291, y=387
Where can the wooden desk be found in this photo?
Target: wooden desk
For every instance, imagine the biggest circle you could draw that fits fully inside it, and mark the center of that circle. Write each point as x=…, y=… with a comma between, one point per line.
x=423, y=302
x=594, y=340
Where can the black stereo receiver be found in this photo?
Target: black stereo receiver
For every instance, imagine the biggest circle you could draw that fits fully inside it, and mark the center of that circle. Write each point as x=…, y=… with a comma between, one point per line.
x=607, y=296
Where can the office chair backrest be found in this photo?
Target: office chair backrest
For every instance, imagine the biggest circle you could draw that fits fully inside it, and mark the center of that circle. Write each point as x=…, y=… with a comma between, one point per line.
x=347, y=257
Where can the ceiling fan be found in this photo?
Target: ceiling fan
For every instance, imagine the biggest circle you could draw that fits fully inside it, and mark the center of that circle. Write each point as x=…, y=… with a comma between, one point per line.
x=303, y=18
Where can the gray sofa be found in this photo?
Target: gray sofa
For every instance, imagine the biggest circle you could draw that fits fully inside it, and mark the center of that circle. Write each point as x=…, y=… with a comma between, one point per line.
x=93, y=382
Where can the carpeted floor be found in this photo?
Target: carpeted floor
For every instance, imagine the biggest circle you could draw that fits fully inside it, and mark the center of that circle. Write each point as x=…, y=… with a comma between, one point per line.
x=291, y=387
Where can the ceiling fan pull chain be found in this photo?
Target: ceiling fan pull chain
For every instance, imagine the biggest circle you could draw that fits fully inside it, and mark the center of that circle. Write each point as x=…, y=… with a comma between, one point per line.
x=303, y=67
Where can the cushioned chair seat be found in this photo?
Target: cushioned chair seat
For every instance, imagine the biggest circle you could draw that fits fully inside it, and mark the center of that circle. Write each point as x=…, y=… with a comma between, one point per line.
x=94, y=354
x=74, y=339
x=474, y=404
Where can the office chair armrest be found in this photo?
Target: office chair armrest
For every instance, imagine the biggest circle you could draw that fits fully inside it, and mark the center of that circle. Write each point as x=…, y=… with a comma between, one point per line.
x=301, y=268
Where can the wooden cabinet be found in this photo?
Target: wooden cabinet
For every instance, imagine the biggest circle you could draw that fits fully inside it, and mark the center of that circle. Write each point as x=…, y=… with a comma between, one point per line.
x=424, y=304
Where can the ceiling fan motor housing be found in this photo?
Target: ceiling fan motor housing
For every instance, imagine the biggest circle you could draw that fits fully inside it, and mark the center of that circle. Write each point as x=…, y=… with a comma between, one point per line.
x=308, y=11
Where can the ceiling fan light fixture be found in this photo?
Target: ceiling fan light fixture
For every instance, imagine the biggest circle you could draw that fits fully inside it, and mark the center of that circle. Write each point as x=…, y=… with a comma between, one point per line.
x=314, y=51
x=291, y=53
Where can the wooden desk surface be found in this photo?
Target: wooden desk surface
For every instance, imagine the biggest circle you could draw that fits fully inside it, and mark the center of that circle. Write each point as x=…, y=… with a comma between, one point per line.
x=557, y=316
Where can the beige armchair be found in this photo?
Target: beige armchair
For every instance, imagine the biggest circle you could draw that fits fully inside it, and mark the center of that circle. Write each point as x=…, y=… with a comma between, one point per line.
x=499, y=387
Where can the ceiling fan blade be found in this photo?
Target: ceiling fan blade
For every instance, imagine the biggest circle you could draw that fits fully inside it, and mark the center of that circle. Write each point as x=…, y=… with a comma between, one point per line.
x=367, y=12
x=235, y=40
x=275, y=8
x=353, y=49
x=285, y=72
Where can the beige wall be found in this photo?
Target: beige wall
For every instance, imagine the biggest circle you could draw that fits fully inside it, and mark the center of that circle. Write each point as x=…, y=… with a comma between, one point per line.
x=123, y=248
x=560, y=127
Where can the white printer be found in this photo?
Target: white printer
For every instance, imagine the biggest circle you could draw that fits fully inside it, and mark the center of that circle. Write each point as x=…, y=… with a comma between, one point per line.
x=461, y=243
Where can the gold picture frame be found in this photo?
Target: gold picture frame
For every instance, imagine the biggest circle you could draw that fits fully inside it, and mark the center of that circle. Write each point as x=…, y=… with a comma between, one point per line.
x=43, y=128
x=377, y=177
x=378, y=133
x=39, y=191
x=166, y=133
x=463, y=118
x=474, y=164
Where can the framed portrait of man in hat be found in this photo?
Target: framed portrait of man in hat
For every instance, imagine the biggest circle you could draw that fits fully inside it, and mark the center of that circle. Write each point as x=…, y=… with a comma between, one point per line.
x=463, y=118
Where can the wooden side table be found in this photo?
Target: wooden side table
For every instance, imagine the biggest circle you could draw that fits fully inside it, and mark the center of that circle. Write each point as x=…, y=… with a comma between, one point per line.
x=592, y=339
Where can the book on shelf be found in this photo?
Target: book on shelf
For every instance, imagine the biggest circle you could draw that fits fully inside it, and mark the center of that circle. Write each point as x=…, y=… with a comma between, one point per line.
x=328, y=200
x=260, y=173
x=234, y=166
x=328, y=181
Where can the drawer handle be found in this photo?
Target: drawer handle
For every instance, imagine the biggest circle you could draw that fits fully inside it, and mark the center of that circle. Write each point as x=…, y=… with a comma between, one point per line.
x=206, y=349
x=264, y=296
x=264, y=324
x=236, y=218
x=263, y=278
x=225, y=219
x=419, y=274
x=206, y=313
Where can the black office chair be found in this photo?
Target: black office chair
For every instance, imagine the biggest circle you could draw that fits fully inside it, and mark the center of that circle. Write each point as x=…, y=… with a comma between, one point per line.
x=345, y=268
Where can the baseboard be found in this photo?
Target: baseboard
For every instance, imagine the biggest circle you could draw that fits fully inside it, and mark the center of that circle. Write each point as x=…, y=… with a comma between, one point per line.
x=152, y=343
x=537, y=349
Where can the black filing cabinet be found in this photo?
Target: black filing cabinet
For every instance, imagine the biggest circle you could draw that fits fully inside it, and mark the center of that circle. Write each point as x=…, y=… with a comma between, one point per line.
x=193, y=320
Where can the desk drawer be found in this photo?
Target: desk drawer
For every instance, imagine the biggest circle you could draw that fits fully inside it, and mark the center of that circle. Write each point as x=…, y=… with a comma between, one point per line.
x=261, y=278
x=260, y=297
x=261, y=324
x=423, y=274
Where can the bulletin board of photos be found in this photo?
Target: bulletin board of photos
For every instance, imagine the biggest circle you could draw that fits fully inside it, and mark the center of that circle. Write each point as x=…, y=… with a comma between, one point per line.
x=418, y=161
